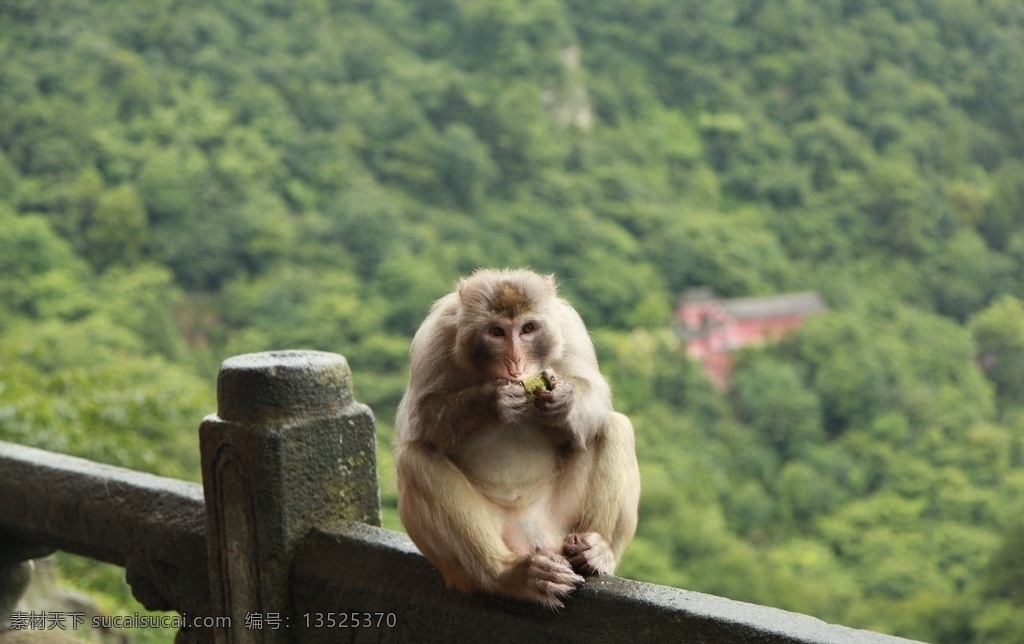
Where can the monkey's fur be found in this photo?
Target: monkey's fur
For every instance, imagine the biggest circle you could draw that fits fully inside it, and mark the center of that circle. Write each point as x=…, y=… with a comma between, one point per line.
x=503, y=495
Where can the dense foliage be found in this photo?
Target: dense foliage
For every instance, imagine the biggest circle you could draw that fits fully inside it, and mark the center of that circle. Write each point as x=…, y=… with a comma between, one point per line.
x=180, y=182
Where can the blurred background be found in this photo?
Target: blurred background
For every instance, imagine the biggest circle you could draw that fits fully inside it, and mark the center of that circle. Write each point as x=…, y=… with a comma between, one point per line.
x=185, y=181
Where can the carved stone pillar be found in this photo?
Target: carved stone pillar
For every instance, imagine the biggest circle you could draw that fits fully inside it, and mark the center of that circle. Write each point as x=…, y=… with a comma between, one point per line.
x=288, y=450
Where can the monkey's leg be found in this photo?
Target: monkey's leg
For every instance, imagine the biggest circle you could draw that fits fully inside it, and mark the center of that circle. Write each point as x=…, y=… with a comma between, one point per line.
x=460, y=531
x=610, y=493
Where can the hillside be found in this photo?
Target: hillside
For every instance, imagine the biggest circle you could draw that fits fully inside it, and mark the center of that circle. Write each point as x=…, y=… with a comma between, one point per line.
x=181, y=182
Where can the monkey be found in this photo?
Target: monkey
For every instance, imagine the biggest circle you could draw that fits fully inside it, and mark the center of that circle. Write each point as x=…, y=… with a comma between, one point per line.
x=502, y=495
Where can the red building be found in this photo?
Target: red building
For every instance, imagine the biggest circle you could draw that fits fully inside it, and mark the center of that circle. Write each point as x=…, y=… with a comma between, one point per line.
x=713, y=328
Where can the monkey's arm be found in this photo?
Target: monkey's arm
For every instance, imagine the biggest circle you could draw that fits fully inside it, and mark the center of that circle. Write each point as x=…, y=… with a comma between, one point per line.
x=581, y=401
x=579, y=407
x=445, y=418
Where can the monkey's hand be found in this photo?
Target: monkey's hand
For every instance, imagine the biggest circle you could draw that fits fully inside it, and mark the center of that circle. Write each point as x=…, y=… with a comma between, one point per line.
x=554, y=405
x=512, y=402
x=589, y=553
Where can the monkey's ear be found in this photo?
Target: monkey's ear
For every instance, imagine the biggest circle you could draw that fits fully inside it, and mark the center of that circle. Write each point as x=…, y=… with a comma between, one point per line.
x=551, y=283
x=464, y=286
x=472, y=287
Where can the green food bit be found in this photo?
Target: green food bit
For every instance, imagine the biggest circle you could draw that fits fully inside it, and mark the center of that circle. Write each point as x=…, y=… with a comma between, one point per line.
x=534, y=384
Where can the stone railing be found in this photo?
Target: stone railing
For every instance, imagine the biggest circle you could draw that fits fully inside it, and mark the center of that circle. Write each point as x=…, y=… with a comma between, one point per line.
x=281, y=541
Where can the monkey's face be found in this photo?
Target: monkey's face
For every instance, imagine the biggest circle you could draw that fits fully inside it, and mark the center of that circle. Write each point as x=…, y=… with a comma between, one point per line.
x=506, y=327
x=512, y=349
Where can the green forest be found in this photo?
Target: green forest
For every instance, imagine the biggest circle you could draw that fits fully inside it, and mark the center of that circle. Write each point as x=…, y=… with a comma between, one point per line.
x=185, y=181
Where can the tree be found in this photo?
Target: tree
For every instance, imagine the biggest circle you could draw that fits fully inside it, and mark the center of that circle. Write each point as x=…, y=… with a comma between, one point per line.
x=999, y=334
x=117, y=230
x=771, y=397
x=733, y=253
x=965, y=275
x=1005, y=213
x=42, y=276
x=848, y=377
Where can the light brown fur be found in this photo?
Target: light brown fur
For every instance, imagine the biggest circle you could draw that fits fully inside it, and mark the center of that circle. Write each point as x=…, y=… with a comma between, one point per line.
x=500, y=495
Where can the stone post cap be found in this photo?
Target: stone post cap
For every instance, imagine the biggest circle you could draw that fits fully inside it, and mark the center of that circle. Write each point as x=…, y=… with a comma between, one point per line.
x=275, y=386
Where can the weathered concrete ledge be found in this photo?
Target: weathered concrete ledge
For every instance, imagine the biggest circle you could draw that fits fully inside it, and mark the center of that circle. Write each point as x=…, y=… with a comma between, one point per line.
x=379, y=577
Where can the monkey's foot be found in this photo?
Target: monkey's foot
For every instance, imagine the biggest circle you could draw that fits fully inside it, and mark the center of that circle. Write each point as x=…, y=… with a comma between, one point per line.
x=589, y=553
x=544, y=578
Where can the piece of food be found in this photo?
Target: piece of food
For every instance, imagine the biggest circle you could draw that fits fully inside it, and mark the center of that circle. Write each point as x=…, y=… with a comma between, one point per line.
x=535, y=384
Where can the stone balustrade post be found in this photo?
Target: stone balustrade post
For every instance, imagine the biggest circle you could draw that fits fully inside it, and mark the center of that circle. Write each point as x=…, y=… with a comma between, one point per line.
x=288, y=450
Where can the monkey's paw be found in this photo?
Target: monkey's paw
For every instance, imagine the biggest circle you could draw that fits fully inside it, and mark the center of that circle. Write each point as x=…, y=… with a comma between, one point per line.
x=537, y=383
x=544, y=578
x=512, y=403
x=554, y=404
x=589, y=553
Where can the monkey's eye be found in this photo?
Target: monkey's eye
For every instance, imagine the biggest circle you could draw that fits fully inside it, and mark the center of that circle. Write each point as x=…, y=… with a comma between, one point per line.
x=496, y=331
x=529, y=327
